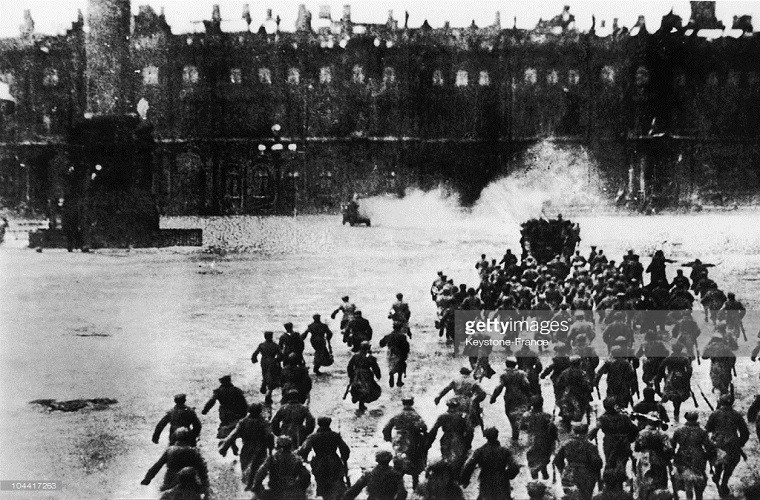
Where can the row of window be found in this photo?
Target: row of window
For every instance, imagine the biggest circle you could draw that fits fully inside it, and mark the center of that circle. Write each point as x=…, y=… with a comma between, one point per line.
x=191, y=76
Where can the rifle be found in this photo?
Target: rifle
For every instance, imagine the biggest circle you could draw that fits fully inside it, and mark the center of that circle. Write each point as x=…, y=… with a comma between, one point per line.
x=709, y=405
x=694, y=398
x=554, y=474
x=348, y=388
x=743, y=330
x=696, y=348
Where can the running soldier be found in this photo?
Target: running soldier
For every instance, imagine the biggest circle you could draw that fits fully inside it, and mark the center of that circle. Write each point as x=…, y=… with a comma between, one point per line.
x=293, y=419
x=400, y=312
x=655, y=453
x=255, y=432
x=676, y=370
x=398, y=352
x=362, y=372
x=722, y=363
x=733, y=312
x=579, y=463
x=383, y=482
x=188, y=487
x=729, y=434
x=288, y=477
x=291, y=343
x=497, y=468
x=575, y=391
x=621, y=378
x=440, y=483
x=685, y=332
x=542, y=437
x=409, y=442
x=358, y=330
x=320, y=341
x=270, y=365
x=648, y=405
x=328, y=468
x=693, y=449
x=457, y=436
x=232, y=407
x=654, y=352
x=613, y=486
x=517, y=391
x=619, y=432
x=295, y=376
x=529, y=362
x=468, y=395
x=179, y=416
x=348, y=309
x=560, y=362
x=177, y=456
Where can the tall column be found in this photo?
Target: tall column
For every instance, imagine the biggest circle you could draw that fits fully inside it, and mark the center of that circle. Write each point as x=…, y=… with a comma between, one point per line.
x=107, y=50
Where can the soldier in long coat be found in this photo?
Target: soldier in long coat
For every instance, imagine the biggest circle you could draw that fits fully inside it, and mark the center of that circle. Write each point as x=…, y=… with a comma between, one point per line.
x=328, y=468
x=619, y=432
x=676, y=369
x=440, y=483
x=400, y=312
x=398, y=353
x=291, y=343
x=576, y=392
x=179, y=416
x=529, y=362
x=295, y=375
x=177, y=456
x=383, y=482
x=621, y=377
x=457, y=436
x=255, y=432
x=516, y=389
x=693, y=449
x=288, y=477
x=232, y=407
x=579, y=463
x=497, y=468
x=468, y=394
x=293, y=419
x=409, y=441
x=655, y=453
x=362, y=372
x=542, y=435
x=729, y=433
x=722, y=361
x=320, y=341
x=270, y=365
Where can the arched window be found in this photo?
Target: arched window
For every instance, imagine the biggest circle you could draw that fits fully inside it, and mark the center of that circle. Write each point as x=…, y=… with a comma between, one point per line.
x=150, y=75
x=484, y=80
x=325, y=75
x=265, y=76
x=236, y=76
x=294, y=76
x=552, y=78
x=438, y=78
x=530, y=77
x=357, y=76
x=608, y=74
x=573, y=77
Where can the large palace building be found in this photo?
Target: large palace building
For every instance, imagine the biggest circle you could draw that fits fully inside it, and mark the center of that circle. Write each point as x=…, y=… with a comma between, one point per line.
x=242, y=114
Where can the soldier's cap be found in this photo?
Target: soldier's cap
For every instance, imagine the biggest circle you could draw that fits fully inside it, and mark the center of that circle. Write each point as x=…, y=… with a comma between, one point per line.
x=440, y=273
x=648, y=392
x=225, y=378
x=407, y=401
x=383, y=457
x=399, y=296
x=292, y=392
x=579, y=314
x=344, y=298
x=575, y=359
x=691, y=416
x=284, y=443
x=465, y=371
x=365, y=345
x=255, y=409
x=268, y=334
x=187, y=476
x=491, y=433
x=288, y=325
x=511, y=361
x=357, y=313
x=620, y=294
x=180, y=398
x=451, y=403
x=717, y=335
x=620, y=340
x=536, y=488
x=316, y=316
x=579, y=428
x=324, y=421
x=726, y=400
x=616, y=351
x=593, y=246
x=182, y=434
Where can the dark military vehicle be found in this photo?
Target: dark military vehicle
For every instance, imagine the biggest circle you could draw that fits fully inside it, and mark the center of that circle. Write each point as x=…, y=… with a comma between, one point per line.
x=546, y=239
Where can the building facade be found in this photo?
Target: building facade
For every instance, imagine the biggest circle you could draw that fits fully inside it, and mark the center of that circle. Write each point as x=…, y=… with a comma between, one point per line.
x=378, y=107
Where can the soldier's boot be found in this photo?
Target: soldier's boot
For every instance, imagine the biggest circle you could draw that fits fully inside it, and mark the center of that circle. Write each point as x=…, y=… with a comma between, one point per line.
x=263, y=389
x=400, y=382
x=676, y=411
x=415, y=481
x=544, y=473
x=362, y=406
x=390, y=380
x=234, y=449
